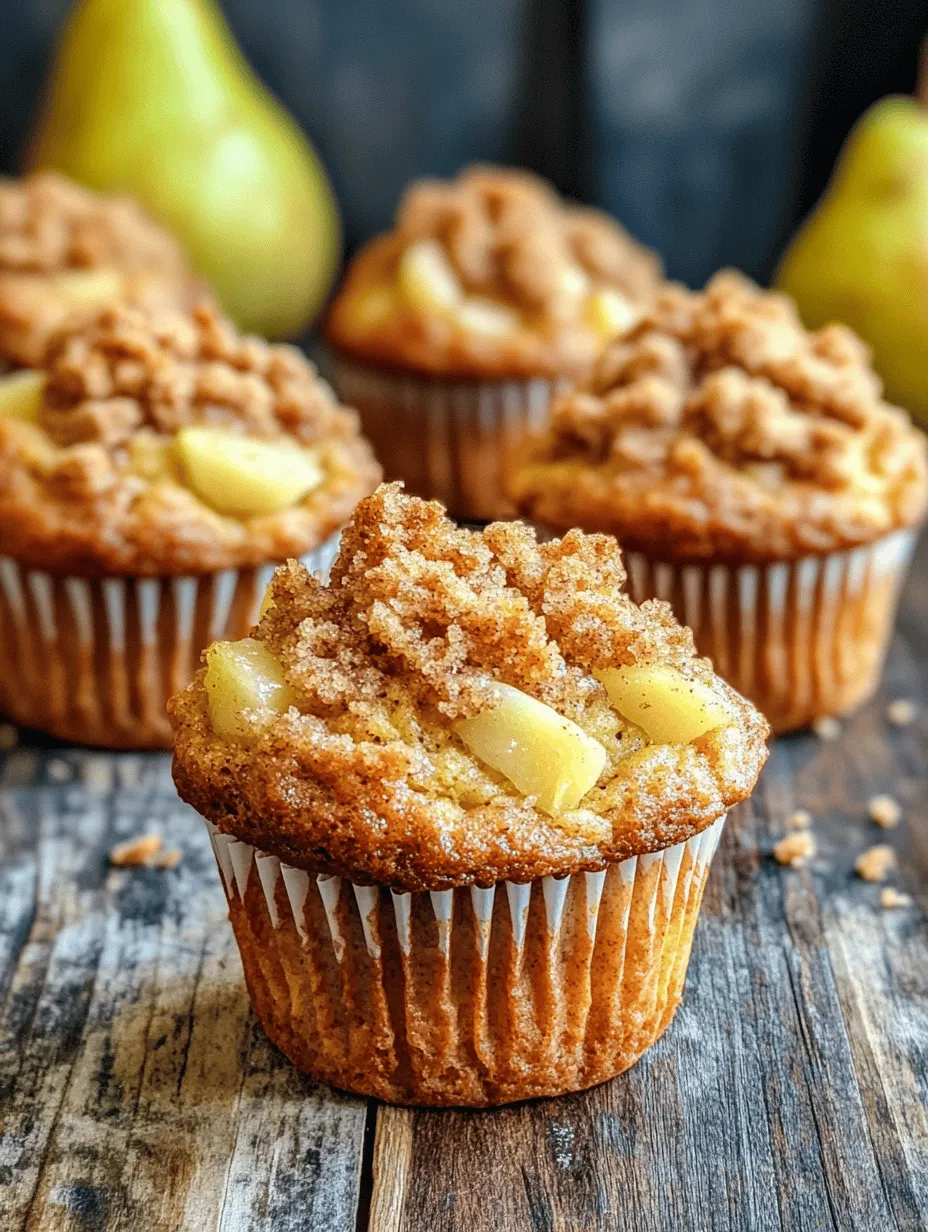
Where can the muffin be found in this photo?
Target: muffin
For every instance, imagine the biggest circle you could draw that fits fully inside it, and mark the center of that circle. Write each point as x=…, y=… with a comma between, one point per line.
x=755, y=479
x=463, y=800
x=65, y=252
x=451, y=333
x=149, y=481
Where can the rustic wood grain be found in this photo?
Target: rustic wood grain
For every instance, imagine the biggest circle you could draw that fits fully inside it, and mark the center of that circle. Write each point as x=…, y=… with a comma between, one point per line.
x=136, y=1089
x=790, y=1092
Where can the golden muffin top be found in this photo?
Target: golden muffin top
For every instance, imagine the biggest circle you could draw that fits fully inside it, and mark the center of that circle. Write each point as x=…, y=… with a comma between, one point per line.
x=720, y=428
x=164, y=442
x=457, y=707
x=66, y=251
x=492, y=275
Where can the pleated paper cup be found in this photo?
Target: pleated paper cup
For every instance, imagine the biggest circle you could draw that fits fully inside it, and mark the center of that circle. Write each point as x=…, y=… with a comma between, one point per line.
x=802, y=639
x=469, y=996
x=94, y=660
x=449, y=440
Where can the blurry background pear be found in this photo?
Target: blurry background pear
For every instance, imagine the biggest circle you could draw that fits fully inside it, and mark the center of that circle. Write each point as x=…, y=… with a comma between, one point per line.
x=862, y=256
x=154, y=98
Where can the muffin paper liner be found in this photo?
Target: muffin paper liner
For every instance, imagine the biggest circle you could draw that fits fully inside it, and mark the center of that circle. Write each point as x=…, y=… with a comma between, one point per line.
x=448, y=439
x=466, y=996
x=94, y=660
x=801, y=639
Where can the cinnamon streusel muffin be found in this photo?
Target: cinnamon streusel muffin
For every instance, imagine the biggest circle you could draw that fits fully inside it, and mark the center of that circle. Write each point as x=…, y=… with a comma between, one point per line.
x=756, y=480
x=463, y=800
x=451, y=333
x=148, y=482
x=65, y=252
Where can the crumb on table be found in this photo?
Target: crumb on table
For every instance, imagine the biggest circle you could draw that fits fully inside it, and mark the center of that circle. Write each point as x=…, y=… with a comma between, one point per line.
x=146, y=851
x=891, y=898
x=827, y=728
x=58, y=770
x=800, y=819
x=876, y=863
x=901, y=712
x=885, y=811
x=795, y=850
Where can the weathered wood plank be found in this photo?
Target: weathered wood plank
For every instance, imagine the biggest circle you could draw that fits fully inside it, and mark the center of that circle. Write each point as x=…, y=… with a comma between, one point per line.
x=136, y=1088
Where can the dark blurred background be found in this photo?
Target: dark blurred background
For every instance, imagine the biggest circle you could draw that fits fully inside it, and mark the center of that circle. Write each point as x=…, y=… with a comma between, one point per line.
x=707, y=126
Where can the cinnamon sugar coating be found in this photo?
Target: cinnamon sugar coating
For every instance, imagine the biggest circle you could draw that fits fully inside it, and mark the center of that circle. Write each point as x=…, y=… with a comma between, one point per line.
x=366, y=777
x=509, y=240
x=721, y=429
x=50, y=225
x=94, y=488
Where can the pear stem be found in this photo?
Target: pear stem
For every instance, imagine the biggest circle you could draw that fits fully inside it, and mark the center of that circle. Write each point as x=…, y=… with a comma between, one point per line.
x=921, y=79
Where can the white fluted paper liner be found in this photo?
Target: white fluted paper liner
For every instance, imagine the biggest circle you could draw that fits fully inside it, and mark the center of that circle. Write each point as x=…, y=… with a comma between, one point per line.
x=94, y=660
x=466, y=996
x=801, y=638
x=449, y=440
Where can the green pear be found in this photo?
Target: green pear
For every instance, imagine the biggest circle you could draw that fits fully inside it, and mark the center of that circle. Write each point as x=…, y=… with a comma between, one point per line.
x=862, y=256
x=154, y=98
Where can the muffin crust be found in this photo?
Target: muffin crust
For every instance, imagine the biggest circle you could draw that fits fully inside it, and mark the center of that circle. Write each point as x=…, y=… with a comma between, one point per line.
x=365, y=775
x=94, y=488
x=721, y=429
x=50, y=226
x=511, y=243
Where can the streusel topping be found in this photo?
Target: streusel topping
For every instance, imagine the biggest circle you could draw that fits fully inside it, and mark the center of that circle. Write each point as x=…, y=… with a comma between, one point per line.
x=492, y=274
x=64, y=251
x=99, y=480
x=49, y=224
x=721, y=426
x=366, y=775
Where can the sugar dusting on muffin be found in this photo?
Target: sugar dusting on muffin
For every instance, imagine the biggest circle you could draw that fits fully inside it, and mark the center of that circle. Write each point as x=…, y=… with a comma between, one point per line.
x=719, y=424
x=364, y=771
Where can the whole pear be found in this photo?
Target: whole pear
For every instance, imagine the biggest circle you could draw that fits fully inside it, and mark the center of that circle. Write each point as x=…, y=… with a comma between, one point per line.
x=862, y=256
x=154, y=98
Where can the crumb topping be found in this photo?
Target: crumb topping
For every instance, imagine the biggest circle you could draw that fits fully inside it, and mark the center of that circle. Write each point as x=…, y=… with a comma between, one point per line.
x=892, y=899
x=886, y=811
x=145, y=851
x=876, y=863
x=95, y=483
x=50, y=226
x=366, y=775
x=504, y=238
x=720, y=425
x=795, y=850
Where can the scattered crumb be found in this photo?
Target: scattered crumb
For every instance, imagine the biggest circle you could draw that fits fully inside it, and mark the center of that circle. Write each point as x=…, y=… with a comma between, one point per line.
x=901, y=712
x=890, y=898
x=143, y=850
x=885, y=811
x=827, y=728
x=801, y=819
x=876, y=863
x=795, y=850
x=58, y=770
x=8, y=737
x=169, y=859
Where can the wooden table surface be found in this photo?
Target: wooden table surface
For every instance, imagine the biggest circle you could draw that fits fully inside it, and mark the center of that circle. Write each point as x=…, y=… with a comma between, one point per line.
x=791, y=1091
